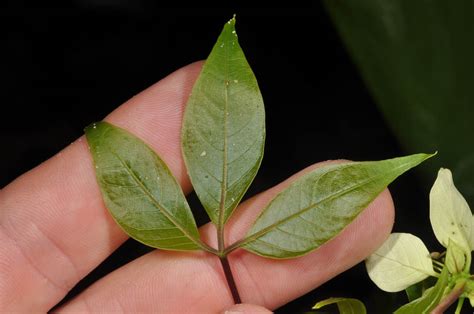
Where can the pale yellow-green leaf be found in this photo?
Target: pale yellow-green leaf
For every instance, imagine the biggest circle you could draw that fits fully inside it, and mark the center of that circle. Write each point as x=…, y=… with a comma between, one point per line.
x=455, y=258
x=401, y=261
x=344, y=305
x=450, y=215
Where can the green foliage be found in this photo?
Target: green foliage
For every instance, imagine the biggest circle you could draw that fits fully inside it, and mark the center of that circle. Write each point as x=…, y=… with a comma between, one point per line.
x=223, y=136
x=416, y=59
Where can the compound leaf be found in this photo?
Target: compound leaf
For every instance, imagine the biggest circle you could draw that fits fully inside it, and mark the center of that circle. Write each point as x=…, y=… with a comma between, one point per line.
x=319, y=205
x=139, y=190
x=224, y=128
x=344, y=305
x=400, y=262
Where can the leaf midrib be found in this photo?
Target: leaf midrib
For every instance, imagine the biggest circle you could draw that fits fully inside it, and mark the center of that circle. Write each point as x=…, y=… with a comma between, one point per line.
x=405, y=265
x=221, y=214
x=264, y=231
x=165, y=212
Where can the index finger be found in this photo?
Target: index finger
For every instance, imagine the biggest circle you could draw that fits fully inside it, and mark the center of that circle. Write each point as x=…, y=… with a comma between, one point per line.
x=54, y=228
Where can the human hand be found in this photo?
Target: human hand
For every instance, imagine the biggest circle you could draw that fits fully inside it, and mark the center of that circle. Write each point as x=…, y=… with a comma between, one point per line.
x=54, y=229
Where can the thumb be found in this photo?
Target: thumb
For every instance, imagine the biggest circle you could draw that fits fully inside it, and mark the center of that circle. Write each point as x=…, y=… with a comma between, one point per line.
x=246, y=309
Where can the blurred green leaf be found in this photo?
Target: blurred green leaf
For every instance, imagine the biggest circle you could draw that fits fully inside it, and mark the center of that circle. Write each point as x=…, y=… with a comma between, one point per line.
x=417, y=59
x=344, y=305
x=415, y=291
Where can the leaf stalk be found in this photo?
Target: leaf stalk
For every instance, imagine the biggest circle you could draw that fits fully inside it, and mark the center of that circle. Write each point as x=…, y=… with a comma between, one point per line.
x=230, y=279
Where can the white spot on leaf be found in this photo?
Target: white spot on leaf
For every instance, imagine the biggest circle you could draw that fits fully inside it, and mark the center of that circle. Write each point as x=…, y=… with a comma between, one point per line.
x=203, y=153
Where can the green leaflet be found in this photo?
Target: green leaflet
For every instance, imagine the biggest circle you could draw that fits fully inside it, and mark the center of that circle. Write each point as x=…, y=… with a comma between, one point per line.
x=319, y=205
x=416, y=290
x=344, y=305
x=139, y=190
x=416, y=58
x=223, y=130
x=400, y=262
x=430, y=298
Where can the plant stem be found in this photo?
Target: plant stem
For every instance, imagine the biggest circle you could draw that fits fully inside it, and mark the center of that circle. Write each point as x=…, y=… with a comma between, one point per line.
x=449, y=299
x=225, y=264
x=230, y=279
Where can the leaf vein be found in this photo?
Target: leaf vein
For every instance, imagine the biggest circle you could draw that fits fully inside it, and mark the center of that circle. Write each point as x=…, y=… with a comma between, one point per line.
x=330, y=197
x=165, y=212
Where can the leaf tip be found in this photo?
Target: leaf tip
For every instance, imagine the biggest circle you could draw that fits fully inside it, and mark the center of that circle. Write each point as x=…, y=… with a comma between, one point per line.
x=422, y=157
x=428, y=155
x=230, y=25
x=94, y=127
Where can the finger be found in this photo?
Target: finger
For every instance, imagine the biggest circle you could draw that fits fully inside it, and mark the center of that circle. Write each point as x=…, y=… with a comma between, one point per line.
x=54, y=228
x=246, y=309
x=194, y=282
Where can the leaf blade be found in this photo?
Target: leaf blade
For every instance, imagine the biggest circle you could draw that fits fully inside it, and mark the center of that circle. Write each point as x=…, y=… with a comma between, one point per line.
x=450, y=214
x=223, y=130
x=403, y=260
x=139, y=190
x=285, y=228
x=428, y=301
x=344, y=305
x=416, y=290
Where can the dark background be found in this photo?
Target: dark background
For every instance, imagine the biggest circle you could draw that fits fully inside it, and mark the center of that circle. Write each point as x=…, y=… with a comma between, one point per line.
x=63, y=68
